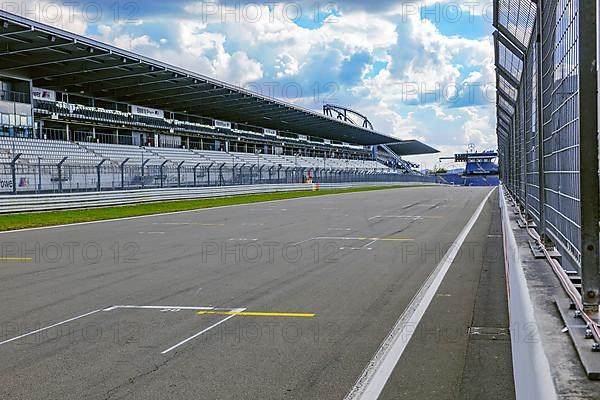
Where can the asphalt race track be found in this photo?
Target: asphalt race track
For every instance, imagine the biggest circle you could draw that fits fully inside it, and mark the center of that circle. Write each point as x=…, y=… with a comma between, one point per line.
x=280, y=300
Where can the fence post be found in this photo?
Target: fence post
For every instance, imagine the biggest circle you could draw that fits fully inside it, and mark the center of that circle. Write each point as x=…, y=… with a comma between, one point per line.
x=13, y=172
x=39, y=188
x=179, y=173
x=251, y=173
x=221, y=180
x=540, y=127
x=195, y=173
x=208, y=174
x=123, y=173
x=59, y=167
x=233, y=174
x=98, y=183
x=160, y=170
x=143, y=173
x=260, y=174
x=588, y=154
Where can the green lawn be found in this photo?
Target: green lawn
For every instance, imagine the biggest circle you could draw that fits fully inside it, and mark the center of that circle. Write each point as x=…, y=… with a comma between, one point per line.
x=49, y=218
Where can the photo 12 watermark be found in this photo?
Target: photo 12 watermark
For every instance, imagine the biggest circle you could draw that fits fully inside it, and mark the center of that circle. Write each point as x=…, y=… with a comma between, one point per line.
x=67, y=12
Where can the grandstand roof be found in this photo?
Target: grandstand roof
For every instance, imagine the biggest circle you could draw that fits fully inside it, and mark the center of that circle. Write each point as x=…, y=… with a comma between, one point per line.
x=411, y=148
x=58, y=60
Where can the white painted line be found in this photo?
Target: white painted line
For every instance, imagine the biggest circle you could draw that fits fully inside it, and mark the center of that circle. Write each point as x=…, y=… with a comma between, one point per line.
x=373, y=379
x=304, y=241
x=50, y=326
x=369, y=244
x=407, y=216
x=161, y=308
x=203, y=331
x=151, y=233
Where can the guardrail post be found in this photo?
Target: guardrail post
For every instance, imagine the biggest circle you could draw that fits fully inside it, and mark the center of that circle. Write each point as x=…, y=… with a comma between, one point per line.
x=59, y=167
x=98, y=167
x=179, y=173
x=122, y=166
x=13, y=172
x=589, y=183
x=161, y=172
x=143, y=173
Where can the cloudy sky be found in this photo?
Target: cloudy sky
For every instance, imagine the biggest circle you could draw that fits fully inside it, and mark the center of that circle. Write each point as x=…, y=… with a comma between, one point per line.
x=421, y=69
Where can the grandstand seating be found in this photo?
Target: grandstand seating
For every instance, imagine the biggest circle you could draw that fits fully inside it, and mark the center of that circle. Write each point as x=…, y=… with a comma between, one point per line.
x=277, y=160
x=176, y=156
x=91, y=153
x=220, y=157
x=47, y=151
x=117, y=153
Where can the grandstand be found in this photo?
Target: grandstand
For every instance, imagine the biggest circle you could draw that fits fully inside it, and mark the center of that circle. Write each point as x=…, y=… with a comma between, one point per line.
x=71, y=102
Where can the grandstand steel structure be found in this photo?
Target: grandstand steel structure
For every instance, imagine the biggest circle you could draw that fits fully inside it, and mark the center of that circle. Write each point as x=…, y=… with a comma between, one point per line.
x=75, y=111
x=547, y=111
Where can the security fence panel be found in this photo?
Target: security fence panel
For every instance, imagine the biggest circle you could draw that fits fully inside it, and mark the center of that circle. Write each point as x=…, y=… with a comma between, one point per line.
x=547, y=125
x=561, y=128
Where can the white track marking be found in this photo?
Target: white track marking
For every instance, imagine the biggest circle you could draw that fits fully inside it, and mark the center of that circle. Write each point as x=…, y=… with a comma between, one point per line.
x=51, y=326
x=406, y=216
x=373, y=379
x=304, y=241
x=369, y=244
x=161, y=308
x=203, y=331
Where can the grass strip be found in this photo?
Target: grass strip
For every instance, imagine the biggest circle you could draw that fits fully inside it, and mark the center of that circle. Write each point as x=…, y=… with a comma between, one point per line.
x=49, y=218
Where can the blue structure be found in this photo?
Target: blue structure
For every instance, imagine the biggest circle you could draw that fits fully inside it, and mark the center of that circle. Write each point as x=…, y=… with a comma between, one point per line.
x=480, y=170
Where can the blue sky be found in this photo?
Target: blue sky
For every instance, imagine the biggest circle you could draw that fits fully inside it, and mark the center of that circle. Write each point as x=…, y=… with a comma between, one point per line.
x=420, y=69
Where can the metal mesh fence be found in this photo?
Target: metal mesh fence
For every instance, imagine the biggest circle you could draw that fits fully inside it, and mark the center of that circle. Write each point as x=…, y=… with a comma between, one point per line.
x=45, y=177
x=539, y=132
x=560, y=123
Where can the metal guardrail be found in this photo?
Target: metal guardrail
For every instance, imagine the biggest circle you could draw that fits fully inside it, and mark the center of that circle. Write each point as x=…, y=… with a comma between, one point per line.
x=47, y=202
